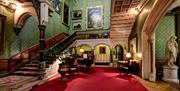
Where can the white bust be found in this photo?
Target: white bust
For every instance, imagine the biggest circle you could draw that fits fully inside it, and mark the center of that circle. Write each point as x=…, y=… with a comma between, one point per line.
x=171, y=50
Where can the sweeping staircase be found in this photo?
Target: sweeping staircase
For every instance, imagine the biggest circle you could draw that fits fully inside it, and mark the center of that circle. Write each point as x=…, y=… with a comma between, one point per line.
x=30, y=67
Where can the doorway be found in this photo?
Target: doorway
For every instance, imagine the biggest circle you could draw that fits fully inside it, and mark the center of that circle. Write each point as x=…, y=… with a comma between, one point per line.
x=119, y=52
x=2, y=28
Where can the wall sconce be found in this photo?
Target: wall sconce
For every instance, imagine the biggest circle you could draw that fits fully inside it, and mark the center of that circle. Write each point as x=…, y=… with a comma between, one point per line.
x=139, y=55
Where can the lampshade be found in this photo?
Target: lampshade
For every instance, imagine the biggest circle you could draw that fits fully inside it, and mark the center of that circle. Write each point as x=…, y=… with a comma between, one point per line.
x=139, y=55
x=81, y=50
x=128, y=55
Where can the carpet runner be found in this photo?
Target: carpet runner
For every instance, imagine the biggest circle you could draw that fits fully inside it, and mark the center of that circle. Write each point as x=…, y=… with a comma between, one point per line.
x=97, y=79
x=13, y=82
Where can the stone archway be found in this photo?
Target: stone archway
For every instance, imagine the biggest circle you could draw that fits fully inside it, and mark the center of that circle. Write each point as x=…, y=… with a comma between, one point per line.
x=119, y=52
x=22, y=19
x=148, y=39
x=22, y=14
x=83, y=48
x=102, y=53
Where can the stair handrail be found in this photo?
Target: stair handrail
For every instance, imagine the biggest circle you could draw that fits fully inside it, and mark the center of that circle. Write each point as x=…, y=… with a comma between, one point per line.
x=61, y=42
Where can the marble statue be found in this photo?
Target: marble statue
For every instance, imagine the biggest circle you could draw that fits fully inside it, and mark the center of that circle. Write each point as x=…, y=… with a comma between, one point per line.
x=171, y=50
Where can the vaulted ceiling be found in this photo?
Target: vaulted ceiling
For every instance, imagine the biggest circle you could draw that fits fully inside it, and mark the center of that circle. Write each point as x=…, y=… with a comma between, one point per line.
x=123, y=16
x=125, y=5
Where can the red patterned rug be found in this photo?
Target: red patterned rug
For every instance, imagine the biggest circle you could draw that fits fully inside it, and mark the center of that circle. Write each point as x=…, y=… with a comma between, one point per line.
x=97, y=79
x=13, y=79
x=13, y=82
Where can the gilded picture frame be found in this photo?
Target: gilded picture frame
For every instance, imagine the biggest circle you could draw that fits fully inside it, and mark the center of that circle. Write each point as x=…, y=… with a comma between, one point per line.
x=65, y=18
x=76, y=14
x=95, y=18
x=77, y=26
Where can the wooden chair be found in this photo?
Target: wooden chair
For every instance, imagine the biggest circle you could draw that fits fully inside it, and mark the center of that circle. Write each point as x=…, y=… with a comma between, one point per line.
x=72, y=65
x=125, y=70
x=63, y=70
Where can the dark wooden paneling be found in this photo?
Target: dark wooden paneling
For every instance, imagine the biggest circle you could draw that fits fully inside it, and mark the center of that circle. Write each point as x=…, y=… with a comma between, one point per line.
x=3, y=65
x=20, y=59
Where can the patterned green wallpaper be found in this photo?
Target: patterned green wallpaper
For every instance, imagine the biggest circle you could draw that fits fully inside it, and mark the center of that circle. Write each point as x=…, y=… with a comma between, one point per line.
x=9, y=33
x=55, y=26
x=29, y=35
x=85, y=4
x=163, y=31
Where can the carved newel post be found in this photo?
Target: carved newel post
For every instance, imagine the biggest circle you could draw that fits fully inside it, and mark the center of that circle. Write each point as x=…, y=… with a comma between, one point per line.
x=170, y=70
x=42, y=26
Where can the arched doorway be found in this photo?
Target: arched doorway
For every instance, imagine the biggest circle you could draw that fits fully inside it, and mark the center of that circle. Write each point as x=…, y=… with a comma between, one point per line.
x=84, y=48
x=102, y=54
x=148, y=38
x=119, y=52
x=2, y=30
x=166, y=29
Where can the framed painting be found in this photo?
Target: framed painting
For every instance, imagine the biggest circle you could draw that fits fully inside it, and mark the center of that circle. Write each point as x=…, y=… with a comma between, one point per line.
x=65, y=19
x=102, y=50
x=58, y=6
x=95, y=18
x=76, y=14
x=76, y=26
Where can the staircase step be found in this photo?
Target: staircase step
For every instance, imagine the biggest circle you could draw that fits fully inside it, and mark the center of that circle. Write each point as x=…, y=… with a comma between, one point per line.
x=49, y=62
x=29, y=69
x=32, y=65
x=36, y=62
x=28, y=73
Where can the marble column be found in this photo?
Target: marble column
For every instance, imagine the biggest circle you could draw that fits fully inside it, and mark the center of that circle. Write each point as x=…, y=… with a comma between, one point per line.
x=145, y=56
x=151, y=43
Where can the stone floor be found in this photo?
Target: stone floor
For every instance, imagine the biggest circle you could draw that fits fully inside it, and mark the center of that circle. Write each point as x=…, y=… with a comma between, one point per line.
x=155, y=86
x=159, y=85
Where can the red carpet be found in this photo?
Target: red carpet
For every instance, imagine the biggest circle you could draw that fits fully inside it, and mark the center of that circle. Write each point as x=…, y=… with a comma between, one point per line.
x=98, y=79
